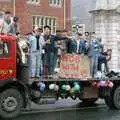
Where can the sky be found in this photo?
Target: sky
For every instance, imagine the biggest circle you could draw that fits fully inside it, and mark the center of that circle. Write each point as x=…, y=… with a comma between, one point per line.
x=80, y=11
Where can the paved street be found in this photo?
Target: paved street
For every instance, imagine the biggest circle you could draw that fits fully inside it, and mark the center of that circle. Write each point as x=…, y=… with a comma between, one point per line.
x=72, y=110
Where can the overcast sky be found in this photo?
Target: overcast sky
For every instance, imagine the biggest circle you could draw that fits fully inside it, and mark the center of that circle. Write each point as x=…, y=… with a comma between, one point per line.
x=80, y=10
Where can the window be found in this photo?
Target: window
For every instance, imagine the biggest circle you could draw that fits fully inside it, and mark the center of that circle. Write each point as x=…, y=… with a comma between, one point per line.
x=56, y=3
x=41, y=21
x=33, y=1
x=4, y=49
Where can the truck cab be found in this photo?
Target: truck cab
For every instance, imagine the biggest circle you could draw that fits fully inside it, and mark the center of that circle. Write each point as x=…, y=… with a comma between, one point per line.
x=7, y=57
x=12, y=90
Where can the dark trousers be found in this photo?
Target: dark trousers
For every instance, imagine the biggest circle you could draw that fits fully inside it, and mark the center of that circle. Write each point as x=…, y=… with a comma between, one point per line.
x=50, y=60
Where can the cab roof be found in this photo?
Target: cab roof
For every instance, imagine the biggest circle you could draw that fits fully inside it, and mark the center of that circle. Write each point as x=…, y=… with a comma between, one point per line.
x=8, y=37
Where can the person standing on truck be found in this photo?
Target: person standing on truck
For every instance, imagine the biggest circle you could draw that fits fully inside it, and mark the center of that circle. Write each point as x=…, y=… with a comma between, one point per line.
x=75, y=46
x=5, y=25
x=50, y=48
x=36, y=44
x=79, y=45
x=67, y=41
x=14, y=28
x=95, y=49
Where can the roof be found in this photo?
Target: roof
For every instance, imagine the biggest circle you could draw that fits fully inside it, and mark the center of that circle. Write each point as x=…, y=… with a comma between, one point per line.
x=7, y=37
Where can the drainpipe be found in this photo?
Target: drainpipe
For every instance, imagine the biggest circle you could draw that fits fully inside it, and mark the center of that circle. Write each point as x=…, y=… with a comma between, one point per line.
x=14, y=8
x=64, y=14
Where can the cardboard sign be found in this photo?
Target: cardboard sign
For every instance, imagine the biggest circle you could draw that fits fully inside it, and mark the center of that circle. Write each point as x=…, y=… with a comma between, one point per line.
x=74, y=66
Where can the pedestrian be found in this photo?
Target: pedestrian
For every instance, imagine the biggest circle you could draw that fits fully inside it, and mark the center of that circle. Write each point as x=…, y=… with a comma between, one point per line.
x=36, y=44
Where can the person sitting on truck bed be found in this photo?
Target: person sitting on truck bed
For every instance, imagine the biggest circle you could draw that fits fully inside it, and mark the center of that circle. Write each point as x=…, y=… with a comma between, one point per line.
x=104, y=58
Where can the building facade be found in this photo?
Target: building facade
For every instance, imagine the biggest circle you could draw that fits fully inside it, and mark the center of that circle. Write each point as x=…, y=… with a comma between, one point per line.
x=107, y=26
x=38, y=13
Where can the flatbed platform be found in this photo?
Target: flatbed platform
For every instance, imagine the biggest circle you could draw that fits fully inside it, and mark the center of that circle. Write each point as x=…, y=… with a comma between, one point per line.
x=57, y=79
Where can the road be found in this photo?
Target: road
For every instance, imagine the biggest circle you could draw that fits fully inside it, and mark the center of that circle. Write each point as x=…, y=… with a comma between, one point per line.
x=70, y=110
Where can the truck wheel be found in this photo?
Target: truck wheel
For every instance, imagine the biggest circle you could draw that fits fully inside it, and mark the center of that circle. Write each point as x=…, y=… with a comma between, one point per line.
x=109, y=99
x=116, y=98
x=89, y=100
x=11, y=102
x=109, y=102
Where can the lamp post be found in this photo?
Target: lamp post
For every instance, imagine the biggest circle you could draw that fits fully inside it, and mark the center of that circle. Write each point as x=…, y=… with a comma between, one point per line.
x=14, y=7
x=64, y=2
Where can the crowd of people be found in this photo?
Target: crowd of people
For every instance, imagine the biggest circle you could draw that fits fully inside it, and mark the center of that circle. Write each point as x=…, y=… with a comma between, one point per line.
x=45, y=49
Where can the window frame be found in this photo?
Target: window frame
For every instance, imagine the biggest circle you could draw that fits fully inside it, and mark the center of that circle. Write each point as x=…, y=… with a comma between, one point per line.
x=52, y=4
x=43, y=22
x=7, y=55
x=33, y=2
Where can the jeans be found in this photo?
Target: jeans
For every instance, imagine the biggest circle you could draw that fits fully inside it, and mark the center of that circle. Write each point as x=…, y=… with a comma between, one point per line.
x=36, y=64
x=82, y=50
x=94, y=65
x=100, y=65
x=50, y=60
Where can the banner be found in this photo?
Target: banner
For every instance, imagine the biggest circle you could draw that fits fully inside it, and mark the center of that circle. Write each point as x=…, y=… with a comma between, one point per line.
x=74, y=66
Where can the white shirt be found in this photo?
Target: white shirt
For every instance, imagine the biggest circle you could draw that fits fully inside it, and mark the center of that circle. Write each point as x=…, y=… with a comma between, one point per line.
x=78, y=45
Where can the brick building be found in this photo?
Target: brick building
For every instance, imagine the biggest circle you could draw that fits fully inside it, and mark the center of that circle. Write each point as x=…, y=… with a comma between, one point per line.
x=32, y=13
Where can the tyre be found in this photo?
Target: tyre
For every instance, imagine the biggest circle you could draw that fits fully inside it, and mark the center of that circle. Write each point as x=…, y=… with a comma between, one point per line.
x=109, y=102
x=109, y=99
x=11, y=103
x=113, y=99
x=89, y=100
x=116, y=98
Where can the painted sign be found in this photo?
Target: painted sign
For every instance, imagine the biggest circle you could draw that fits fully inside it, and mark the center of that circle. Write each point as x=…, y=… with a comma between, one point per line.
x=74, y=66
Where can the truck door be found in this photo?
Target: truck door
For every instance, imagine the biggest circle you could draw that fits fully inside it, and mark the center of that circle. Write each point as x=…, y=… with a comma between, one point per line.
x=7, y=58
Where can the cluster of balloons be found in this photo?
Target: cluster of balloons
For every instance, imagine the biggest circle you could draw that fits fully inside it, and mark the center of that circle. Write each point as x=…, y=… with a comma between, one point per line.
x=65, y=88
x=54, y=87
x=71, y=90
x=103, y=84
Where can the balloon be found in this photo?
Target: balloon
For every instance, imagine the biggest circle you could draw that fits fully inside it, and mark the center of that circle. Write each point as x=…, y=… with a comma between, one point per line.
x=42, y=87
x=64, y=87
x=72, y=91
x=77, y=87
x=102, y=83
x=110, y=84
x=51, y=86
x=56, y=88
x=68, y=87
x=98, y=84
x=94, y=84
x=75, y=83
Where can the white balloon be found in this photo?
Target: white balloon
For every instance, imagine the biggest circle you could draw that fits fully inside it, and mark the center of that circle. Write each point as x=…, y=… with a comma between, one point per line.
x=56, y=88
x=51, y=86
x=68, y=87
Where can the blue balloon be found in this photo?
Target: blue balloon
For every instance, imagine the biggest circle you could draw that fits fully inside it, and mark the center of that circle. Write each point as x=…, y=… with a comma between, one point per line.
x=42, y=87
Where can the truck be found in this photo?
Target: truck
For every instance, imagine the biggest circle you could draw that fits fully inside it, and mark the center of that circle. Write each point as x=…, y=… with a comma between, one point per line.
x=17, y=89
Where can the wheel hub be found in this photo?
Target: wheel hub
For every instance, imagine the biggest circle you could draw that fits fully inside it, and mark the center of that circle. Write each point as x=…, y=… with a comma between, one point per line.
x=10, y=104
